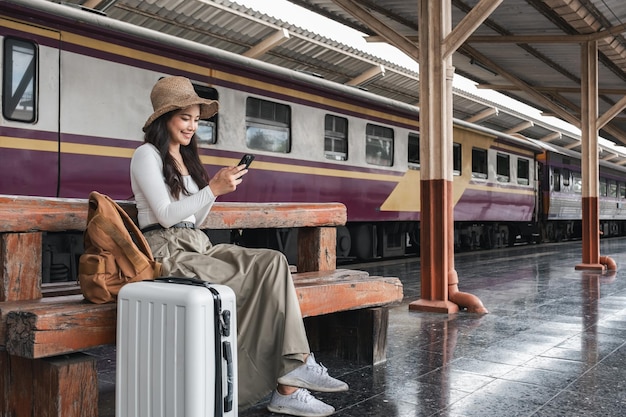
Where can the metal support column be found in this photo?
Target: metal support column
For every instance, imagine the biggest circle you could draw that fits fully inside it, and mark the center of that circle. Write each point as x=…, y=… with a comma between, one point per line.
x=437, y=42
x=589, y=158
x=437, y=204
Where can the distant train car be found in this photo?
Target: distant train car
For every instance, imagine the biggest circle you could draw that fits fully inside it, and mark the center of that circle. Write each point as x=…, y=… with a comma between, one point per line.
x=497, y=188
x=561, y=195
x=76, y=93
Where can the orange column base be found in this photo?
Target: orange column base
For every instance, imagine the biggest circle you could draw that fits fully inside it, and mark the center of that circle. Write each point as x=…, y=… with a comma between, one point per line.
x=434, y=306
x=437, y=251
x=590, y=267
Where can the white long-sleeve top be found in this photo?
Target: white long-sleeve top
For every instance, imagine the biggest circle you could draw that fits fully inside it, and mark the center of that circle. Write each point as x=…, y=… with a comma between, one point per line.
x=154, y=202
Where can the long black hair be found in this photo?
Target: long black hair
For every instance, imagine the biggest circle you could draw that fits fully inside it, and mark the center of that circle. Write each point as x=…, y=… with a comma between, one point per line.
x=158, y=135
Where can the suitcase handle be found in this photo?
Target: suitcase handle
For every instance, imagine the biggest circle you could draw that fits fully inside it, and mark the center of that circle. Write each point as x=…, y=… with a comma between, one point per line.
x=184, y=280
x=228, y=355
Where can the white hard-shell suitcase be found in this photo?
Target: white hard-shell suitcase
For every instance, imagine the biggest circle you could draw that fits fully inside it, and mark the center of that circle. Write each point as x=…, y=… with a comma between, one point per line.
x=176, y=349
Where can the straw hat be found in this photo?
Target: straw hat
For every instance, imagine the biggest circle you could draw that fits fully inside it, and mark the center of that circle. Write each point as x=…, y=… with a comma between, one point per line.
x=173, y=93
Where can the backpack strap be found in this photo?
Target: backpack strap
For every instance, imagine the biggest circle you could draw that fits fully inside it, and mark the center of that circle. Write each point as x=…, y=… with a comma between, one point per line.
x=141, y=241
x=128, y=248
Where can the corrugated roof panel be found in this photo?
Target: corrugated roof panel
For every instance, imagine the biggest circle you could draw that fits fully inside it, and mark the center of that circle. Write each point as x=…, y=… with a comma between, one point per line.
x=516, y=17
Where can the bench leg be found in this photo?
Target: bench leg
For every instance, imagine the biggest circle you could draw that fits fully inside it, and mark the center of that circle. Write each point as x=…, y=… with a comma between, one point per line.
x=62, y=386
x=359, y=335
x=20, y=266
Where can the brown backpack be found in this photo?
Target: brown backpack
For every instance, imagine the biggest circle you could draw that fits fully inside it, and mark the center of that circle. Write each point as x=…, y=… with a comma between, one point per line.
x=112, y=258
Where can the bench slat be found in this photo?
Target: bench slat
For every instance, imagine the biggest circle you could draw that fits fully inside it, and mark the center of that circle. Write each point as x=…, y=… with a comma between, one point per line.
x=274, y=215
x=310, y=278
x=57, y=214
x=9, y=306
x=47, y=329
x=55, y=289
x=55, y=329
x=348, y=292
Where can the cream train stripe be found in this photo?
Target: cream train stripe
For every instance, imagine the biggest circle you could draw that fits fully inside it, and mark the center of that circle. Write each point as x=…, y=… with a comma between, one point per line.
x=297, y=169
x=510, y=189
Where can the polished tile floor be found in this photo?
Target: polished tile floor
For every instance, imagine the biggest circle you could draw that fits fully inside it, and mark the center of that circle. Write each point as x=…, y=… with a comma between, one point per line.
x=553, y=344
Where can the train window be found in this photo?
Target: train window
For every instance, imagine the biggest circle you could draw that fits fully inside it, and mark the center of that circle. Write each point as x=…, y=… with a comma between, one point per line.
x=336, y=138
x=566, y=177
x=622, y=190
x=503, y=167
x=556, y=179
x=612, y=186
x=479, y=163
x=577, y=183
x=268, y=125
x=456, y=158
x=206, y=132
x=414, y=150
x=207, y=128
x=19, y=94
x=379, y=145
x=523, y=172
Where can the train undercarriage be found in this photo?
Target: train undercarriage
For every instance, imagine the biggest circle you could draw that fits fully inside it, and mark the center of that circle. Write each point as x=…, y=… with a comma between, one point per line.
x=355, y=241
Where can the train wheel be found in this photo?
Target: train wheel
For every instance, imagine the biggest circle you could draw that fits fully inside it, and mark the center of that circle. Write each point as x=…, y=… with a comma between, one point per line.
x=344, y=242
x=363, y=239
x=512, y=237
x=488, y=237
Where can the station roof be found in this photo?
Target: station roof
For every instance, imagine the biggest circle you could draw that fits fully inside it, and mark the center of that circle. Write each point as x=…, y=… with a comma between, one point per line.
x=527, y=49
x=522, y=43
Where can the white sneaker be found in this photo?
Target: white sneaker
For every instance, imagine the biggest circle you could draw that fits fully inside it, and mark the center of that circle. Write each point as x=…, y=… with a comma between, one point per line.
x=301, y=403
x=313, y=376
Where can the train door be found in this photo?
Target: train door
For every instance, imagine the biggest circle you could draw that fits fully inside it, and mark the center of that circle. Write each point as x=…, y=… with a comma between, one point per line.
x=29, y=120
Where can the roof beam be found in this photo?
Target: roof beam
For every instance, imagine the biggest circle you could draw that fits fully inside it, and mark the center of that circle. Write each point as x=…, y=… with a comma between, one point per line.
x=378, y=38
x=268, y=43
x=548, y=89
x=552, y=136
x=618, y=118
x=375, y=71
x=522, y=126
x=468, y=25
x=619, y=134
x=611, y=113
x=548, y=38
x=91, y=4
x=485, y=114
x=390, y=35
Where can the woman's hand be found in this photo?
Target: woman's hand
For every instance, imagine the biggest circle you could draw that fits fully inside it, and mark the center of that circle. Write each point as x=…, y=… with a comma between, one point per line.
x=227, y=179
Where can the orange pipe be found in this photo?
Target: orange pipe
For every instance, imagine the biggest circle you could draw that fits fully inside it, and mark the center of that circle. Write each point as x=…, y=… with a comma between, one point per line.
x=463, y=299
x=608, y=262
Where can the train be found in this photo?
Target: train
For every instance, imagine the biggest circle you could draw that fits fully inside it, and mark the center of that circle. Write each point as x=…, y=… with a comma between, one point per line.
x=75, y=94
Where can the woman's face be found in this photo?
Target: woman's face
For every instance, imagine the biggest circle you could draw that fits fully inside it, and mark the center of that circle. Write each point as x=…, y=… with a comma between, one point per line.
x=183, y=124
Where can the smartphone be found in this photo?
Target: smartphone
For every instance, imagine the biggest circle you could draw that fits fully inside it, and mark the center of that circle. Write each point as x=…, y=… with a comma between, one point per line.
x=246, y=160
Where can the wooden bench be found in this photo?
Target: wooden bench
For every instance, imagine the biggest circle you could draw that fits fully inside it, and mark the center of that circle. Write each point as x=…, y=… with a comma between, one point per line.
x=45, y=327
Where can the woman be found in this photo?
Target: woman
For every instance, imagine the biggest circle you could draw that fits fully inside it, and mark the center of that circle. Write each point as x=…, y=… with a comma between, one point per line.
x=174, y=193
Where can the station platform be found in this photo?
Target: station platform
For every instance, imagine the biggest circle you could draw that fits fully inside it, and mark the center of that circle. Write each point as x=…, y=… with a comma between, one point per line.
x=553, y=343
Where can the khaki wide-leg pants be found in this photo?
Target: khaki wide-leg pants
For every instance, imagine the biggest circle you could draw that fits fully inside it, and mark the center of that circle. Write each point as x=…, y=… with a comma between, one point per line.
x=271, y=339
